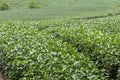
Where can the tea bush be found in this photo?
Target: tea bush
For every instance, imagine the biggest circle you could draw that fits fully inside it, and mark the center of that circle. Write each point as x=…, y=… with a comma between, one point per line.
x=97, y=39
x=4, y=6
x=33, y=5
x=74, y=49
x=29, y=53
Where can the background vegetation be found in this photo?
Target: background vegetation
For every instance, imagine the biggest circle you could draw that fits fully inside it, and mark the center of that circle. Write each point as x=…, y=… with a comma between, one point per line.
x=58, y=9
x=4, y=6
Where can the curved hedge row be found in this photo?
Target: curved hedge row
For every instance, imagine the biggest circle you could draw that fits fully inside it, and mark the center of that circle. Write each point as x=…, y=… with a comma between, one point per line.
x=96, y=39
x=30, y=53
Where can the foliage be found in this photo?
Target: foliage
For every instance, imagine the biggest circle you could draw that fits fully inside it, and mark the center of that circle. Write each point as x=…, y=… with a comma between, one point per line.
x=98, y=39
x=33, y=4
x=110, y=14
x=4, y=6
x=83, y=49
x=30, y=53
x=58, y=9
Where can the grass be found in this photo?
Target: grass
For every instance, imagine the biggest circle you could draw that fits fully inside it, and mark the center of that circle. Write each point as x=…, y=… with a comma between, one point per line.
x=59, y=9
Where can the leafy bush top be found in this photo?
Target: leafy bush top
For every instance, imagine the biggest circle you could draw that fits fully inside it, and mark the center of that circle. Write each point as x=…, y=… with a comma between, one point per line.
x=83, y=49
x=30, y=53
x=33, y=5
x=4, y=6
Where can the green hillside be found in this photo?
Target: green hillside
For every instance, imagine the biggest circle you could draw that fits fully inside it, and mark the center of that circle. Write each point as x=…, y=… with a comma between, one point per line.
x=59, y=39
x=58, y=9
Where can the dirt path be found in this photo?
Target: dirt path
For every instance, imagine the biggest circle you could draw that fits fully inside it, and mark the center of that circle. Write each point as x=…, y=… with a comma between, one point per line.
x=2, y=76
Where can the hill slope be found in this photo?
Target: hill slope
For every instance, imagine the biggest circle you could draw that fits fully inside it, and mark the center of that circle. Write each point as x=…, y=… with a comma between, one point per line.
x=58, y=9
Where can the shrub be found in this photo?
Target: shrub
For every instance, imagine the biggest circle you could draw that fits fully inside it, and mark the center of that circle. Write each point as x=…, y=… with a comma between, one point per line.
x=97, y=39
x=4, y=6
x=32, y=54
x=118, y=7
x=110, y=14
x=33, y=5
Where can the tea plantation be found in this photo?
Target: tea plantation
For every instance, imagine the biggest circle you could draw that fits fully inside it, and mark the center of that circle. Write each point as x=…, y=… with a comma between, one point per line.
x=57, y=9
x=61, y=50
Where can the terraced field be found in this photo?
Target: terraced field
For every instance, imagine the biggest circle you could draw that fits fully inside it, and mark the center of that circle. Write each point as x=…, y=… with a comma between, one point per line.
x=60, y=40
x=58, y=9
